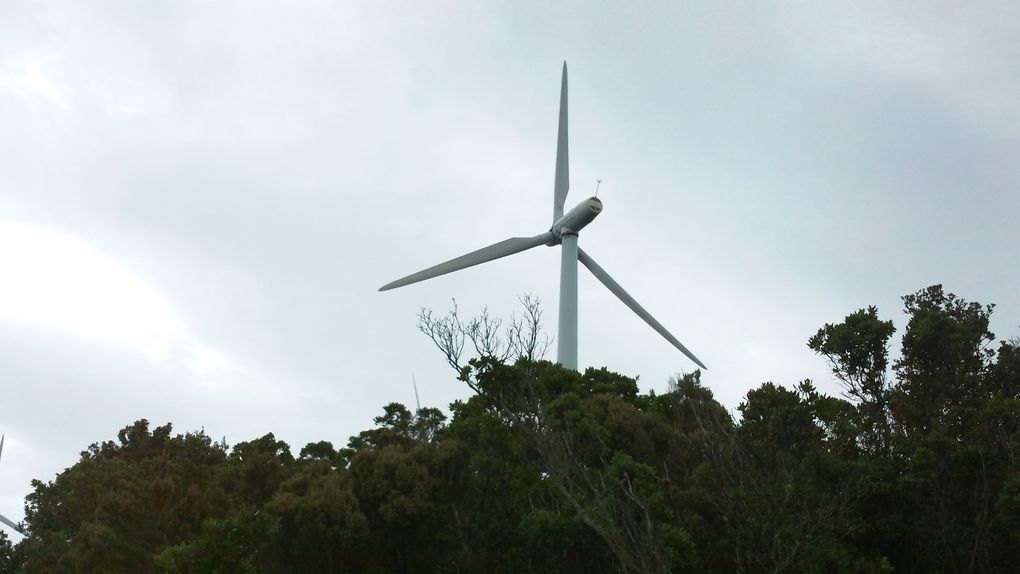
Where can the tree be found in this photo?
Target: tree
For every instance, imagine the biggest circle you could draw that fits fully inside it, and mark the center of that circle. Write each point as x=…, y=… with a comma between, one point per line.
x=544, y=469
x=321, y=527
x=858, y=353
x=945, y=354
x=957, y=425
x=520, y=338
x=11, y=558
x=120, y=504
x=775, y=496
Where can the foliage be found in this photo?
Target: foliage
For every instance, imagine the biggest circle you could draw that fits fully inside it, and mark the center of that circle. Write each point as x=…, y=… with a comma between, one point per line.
x=11, y=557
x=544, y=469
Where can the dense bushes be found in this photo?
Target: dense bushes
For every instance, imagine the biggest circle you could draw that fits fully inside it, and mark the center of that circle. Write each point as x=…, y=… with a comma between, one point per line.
x=548, y=470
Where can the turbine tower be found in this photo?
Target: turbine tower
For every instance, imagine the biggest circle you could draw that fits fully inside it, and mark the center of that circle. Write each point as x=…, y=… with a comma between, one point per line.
x=563, y=232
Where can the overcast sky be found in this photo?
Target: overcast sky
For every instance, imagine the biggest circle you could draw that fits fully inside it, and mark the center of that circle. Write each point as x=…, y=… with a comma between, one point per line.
x=199, y=200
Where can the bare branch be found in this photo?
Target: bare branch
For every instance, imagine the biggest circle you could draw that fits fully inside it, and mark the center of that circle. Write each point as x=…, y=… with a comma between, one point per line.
x=483, y=331
x=446, y=332
x=520, y=338
x=528, y=339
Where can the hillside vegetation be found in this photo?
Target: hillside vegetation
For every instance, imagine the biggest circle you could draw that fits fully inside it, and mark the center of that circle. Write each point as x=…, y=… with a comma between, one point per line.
x=548, y=470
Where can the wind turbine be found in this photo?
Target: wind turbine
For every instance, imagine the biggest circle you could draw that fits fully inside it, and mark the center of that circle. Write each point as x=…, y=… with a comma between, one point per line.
x=3, y=518
x=563, y=232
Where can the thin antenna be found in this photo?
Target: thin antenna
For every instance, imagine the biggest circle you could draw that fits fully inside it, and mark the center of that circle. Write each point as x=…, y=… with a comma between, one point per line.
x=416, y=401
x=598, y=182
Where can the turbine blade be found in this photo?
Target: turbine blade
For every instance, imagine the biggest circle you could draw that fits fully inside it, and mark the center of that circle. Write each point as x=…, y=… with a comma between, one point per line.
x=3, y=518
x=10, y=523
x=494, y=251
x=629, y=301
x=562, y=183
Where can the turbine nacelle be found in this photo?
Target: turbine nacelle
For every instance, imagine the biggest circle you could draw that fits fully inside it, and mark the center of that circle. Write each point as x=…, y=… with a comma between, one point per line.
x=574, y=220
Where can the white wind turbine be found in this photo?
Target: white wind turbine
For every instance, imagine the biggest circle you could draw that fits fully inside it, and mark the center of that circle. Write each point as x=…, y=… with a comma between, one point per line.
x=563, y=232
x=3, y=518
